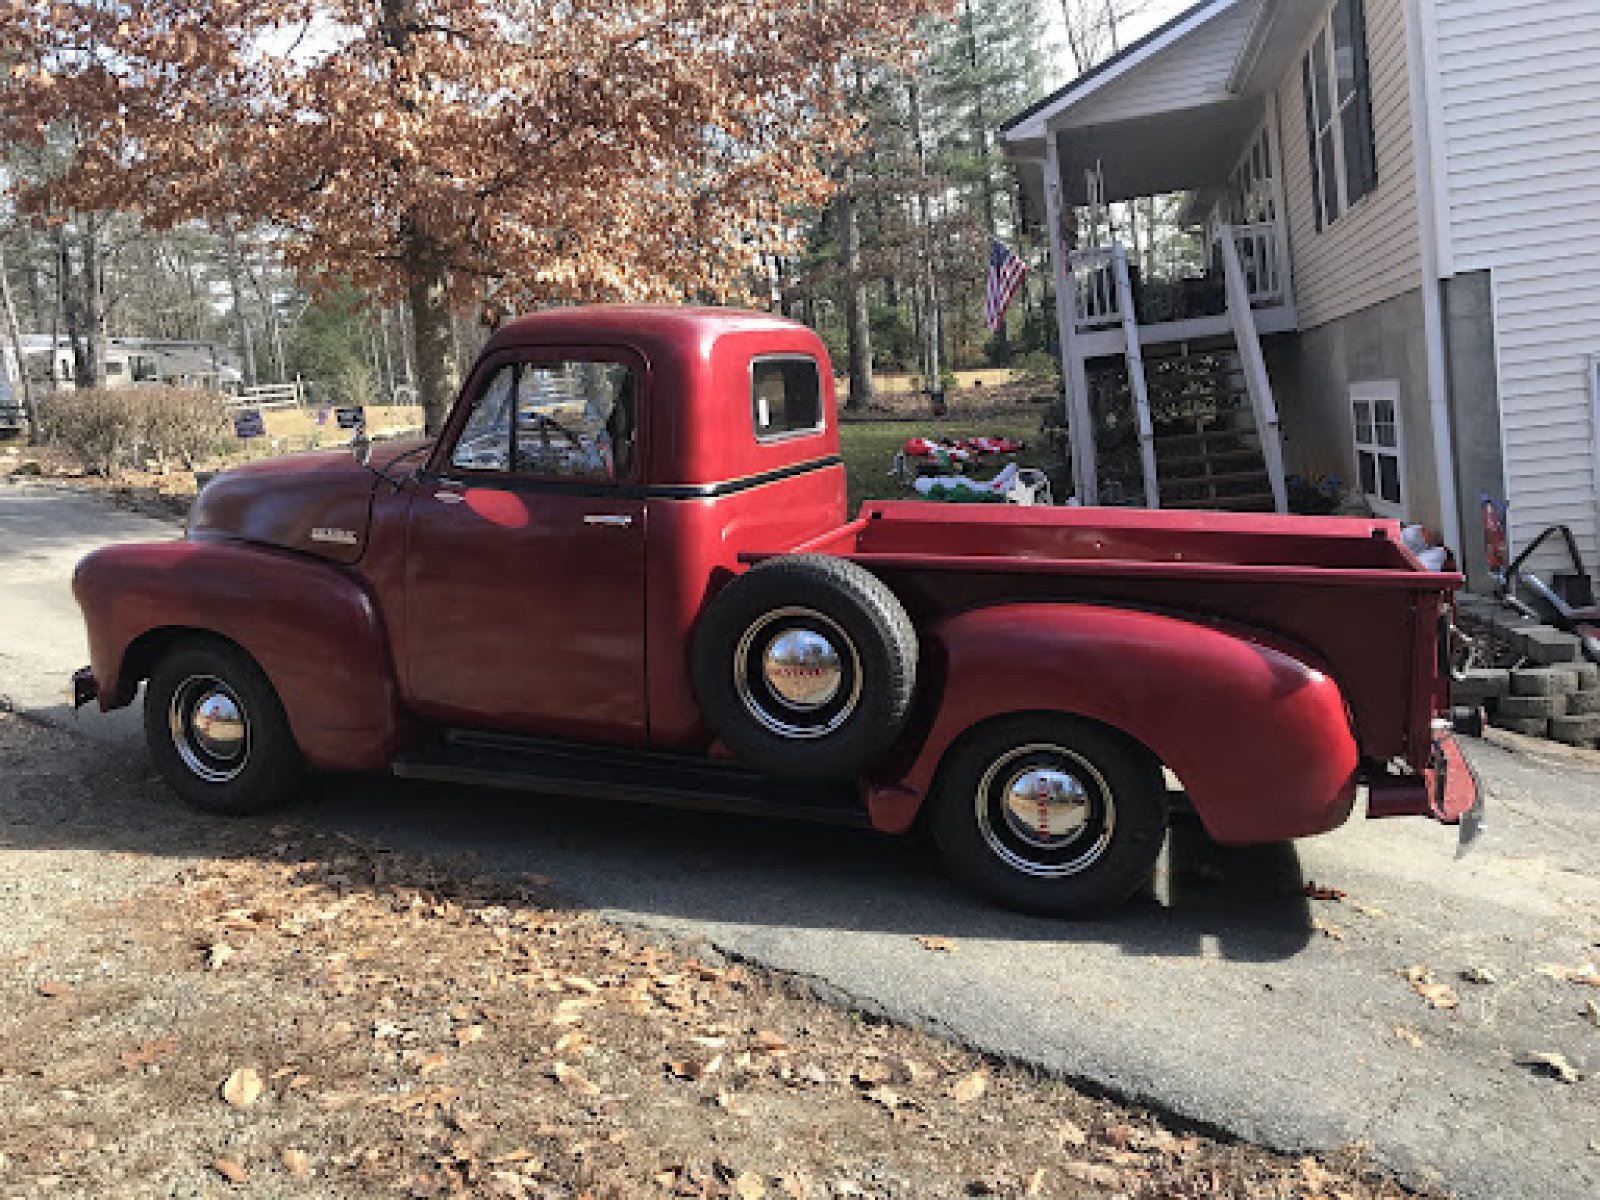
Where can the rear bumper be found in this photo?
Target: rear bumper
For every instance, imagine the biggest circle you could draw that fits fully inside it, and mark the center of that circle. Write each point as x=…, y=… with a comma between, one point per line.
x=1448, y=791
x=83, y=687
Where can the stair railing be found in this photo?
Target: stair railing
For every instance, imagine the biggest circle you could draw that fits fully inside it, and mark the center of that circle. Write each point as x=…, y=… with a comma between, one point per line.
x=1136, y=380
x=1094, y=278
x=1257, y=382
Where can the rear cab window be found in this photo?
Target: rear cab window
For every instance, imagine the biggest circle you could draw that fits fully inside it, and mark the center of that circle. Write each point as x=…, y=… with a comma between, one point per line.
x=785, y=396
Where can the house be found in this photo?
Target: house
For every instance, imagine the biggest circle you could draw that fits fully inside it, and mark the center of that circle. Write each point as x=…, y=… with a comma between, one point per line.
x=128, y=361
x=1399, y=213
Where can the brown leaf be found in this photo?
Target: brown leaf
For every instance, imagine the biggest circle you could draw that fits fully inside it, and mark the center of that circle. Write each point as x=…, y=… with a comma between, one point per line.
x=970, y=1087
x=574, y=1081
x=296, y=1162
x=468, y=1035
x=941, y=945
x=577, y=983
x=1068, y=1133
x=229, y=1169
x=749, y=1186
x=1588, y=974
x=434, y=1062
x=1315, y=892
x=1327, y=929
x=243, y=1088
x=146, y=1053
x=1035, y=1183
x=1591, y=1010
x=886, y=1097
x=1409, y=1036
x=1554, y=1065
x=770, y=1043
x=1479, y=975
x=1092, y=1173
x=52, y=988
x=217, y=954
x=1438, y=995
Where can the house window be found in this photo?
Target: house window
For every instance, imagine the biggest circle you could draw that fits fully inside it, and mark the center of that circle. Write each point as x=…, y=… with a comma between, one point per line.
x=1338, y=92
x=1380, y=455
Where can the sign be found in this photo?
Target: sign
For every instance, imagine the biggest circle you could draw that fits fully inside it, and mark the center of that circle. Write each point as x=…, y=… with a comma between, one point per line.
x=353, y=417
x=247, y=423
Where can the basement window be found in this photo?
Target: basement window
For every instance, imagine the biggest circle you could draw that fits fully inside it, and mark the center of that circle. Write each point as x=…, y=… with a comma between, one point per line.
x=1380, y=455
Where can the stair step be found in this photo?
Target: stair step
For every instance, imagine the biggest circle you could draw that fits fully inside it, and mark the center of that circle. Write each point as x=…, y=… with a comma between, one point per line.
x=1253, y=502
x=1256, y=476
x=1212, y=459
x=1164, y=440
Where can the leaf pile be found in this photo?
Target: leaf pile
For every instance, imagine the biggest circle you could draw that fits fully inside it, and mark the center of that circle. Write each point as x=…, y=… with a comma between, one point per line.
x=389, y=1025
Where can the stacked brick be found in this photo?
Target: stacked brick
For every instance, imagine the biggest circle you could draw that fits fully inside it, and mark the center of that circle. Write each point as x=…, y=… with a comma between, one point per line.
x=1559, y=701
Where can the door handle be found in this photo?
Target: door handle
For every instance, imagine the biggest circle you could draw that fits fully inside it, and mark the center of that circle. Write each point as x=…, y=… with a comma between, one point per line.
x=615, y=520
x=449, y=497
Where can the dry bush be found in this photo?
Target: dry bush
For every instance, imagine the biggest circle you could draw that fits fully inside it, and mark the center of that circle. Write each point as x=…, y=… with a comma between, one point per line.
x=108, y=429
x=182, y=424
x=99, y=426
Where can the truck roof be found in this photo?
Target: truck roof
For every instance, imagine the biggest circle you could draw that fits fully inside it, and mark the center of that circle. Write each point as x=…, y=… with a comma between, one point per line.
x=636, y=324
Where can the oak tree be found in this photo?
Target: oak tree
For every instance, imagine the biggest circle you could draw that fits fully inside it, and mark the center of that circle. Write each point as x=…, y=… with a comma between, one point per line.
x=428, y=150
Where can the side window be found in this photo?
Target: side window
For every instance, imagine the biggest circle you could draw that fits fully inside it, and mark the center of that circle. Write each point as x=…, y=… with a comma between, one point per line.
x=1339, y=130
x=553, y=420
x=785, y=397
x=485, y=441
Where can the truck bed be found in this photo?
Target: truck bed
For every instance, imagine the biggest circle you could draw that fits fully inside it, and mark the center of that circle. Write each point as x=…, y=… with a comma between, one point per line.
x=1343, y=593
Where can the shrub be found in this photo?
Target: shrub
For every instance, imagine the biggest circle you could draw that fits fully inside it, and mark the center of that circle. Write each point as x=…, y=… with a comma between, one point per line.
x=108, y=429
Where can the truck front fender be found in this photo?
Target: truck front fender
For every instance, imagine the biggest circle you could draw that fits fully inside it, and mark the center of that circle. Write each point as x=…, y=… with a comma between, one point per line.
x=1259, y=737
x=310, y=626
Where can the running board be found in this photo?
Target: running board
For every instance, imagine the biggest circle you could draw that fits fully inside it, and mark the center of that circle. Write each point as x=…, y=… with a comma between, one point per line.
x=607, y=773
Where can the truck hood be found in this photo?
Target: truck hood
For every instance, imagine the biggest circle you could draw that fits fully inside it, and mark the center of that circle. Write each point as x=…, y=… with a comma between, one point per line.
x=319, y=504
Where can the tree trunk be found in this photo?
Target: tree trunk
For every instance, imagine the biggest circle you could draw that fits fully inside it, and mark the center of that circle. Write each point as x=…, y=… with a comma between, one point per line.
x=70, y=283
x=14, y=332
x=94, y=308
x=247, y=344
x=438, y=378
x=858, y=325
x=933, y=318
x=980, y=136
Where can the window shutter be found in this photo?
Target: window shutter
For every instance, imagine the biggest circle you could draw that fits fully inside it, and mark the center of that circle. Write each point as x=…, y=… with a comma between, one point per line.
x=1311, y=142
x=1363, y=96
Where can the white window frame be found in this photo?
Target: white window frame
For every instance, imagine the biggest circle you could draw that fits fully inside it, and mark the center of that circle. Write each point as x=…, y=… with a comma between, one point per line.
x=1371, y=392
x=1331, y=125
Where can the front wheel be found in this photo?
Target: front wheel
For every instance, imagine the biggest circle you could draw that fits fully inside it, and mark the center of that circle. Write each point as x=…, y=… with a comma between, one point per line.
x=216, y=730
x=1050, y=815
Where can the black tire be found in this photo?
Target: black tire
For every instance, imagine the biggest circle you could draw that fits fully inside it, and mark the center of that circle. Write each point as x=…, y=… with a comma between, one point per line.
x=811, y=606
x=1097, y=833
x=227, y=766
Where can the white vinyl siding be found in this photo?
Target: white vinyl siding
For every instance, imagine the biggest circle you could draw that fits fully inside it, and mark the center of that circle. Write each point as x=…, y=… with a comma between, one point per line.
x=1519, y=115
x=1372, y=252
x=1191, y=72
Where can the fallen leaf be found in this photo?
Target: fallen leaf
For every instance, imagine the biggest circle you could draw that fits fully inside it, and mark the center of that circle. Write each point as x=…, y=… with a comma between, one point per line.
x=970, y=1087
x=1588, y=974
x=1092, y=1173
x=1409, y=1036
x=770, y=1043
x=749, y=1186
x=1035, y=1183
x=1070, y=1134
x=146, y=1053
x=730, y=1103
x=577, y=983
x=872, y=1074
x=472, y=1033
x=217, y=954
x=1315, y=892
x=887, y=1097
x=229, y=1169
x=1553, y=1064
x=434, y=1062
x=941, y=945
x=243, y=1088
x=1367, y=910
x=1592, y=1011
x=574, y=1041
x=574, y=1080
x=53, y=988
x=1327, y=929
x=1438, y=995
x=296, y=1162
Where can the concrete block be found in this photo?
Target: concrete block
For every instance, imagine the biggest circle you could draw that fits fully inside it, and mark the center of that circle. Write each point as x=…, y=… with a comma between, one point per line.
x=1542, y=707
x=1528, y=726
x=1582, y=704
x=1543, y=681
x=1480, y=684
x=1544, y=645
x=1588, y=674
x=1576, y=731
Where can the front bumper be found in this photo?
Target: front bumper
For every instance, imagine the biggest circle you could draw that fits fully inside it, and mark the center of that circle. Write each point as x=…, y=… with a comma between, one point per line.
x=1448, y=791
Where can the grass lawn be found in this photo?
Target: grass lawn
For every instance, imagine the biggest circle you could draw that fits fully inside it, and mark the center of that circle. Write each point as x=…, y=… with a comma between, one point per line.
x=869, y=448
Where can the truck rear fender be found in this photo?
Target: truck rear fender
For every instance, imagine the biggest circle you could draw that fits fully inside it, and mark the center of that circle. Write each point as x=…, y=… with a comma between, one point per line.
x=1259, y=737
x=310, y=626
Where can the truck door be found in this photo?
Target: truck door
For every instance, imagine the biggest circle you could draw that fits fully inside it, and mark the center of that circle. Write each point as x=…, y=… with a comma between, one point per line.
x=524, y=592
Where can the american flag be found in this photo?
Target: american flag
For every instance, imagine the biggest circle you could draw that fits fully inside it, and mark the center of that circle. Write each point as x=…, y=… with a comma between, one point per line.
x=1005, y=277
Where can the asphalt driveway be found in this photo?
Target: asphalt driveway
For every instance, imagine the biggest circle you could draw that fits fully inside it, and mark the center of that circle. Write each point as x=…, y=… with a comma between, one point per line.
x=1235, y=995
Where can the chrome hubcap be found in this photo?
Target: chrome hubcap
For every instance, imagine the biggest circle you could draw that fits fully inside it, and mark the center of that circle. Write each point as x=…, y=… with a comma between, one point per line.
x=1045, y=810
x=209, y=728
x=797, y=673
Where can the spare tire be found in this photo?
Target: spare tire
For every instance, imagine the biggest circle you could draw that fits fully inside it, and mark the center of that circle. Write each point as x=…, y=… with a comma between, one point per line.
x=805, y=666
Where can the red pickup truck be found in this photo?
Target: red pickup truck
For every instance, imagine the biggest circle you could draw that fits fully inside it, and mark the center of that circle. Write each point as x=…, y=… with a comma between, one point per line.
x=626, y=568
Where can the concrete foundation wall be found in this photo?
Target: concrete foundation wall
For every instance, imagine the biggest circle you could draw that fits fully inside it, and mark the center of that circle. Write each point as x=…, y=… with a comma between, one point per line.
x=1311, y=376
x=1474, y=409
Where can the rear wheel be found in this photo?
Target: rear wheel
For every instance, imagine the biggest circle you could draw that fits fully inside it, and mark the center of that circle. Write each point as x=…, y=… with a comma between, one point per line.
x=1050, y=815
x=216, y=730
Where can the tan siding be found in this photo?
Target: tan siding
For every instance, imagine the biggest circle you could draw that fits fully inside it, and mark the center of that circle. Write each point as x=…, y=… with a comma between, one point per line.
x=1194, y=71
x=1372, y=252
x=1520, y=125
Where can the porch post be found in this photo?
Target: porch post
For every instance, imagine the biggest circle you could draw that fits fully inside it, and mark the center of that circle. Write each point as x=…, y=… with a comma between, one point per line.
x=1074, y=376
